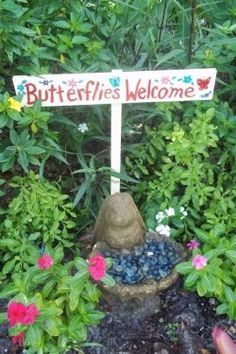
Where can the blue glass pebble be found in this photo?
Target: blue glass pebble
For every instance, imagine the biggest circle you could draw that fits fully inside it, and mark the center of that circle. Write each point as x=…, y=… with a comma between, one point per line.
x=153, y=260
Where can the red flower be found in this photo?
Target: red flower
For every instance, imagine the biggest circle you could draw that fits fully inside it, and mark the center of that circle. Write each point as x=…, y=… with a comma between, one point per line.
x=31, y=314
x=15, y=313
x=18, y=313
x=97, y=267
x=19, y=339
x=45, y=262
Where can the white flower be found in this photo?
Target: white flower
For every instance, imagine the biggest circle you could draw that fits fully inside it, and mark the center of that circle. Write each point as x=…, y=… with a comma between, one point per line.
x=170, y=212
x=163, y=230
x=160, y=216
x=184, y=212
x=82, y=128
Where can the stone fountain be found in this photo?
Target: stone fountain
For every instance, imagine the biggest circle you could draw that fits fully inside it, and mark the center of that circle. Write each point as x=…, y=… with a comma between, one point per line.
x=140, y=258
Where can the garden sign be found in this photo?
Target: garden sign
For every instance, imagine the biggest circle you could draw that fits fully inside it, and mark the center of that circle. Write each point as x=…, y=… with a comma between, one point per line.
x=116, y=88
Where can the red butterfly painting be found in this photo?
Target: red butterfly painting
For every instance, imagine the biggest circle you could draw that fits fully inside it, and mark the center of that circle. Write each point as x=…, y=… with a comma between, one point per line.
x=203, y=83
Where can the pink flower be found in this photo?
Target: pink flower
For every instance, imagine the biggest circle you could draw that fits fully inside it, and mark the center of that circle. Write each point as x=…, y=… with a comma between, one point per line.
x=199, y=262
x=45, y=262
x=224, y=344
x=97, y=267
x=31, y=314
x=193, y=244
x=19, y=339
x=18, y=313
x=15, y=313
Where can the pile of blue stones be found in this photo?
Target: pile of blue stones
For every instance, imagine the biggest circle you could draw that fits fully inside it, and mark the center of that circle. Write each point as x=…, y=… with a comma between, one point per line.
x=153, y=260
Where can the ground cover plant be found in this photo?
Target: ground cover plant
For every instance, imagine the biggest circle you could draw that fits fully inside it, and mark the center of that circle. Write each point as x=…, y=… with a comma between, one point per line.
x=178, y=158
x=52, y=304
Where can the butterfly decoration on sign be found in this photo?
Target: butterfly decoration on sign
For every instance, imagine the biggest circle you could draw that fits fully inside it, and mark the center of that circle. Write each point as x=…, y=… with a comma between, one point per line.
x=203, y=83
x=115, y=81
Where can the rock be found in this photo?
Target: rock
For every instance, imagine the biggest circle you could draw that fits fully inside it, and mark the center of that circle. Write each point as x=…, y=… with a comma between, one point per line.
x=160, y=348
x=187, y=310
x=203, y=351
x=189, y=342
x=119, y=222
x=3, y=330
x=6, y=347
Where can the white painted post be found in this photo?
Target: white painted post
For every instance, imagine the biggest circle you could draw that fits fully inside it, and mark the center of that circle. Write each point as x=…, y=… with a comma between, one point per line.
x=116, y=124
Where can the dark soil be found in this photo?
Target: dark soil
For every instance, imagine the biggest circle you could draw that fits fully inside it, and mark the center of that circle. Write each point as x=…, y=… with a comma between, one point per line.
x=182, y=325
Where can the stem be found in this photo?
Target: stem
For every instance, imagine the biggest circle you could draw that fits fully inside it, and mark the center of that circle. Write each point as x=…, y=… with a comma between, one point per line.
x=162, y=21
x=191, y=30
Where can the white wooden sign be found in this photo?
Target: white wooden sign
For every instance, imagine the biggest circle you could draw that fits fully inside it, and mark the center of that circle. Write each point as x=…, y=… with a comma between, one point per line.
x=116, y=88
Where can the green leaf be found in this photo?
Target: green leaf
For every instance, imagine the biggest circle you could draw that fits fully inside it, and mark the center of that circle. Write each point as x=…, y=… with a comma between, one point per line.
x=14, y=137
x=8, y=266
x=79, y=39
x=3, y=318
x=95, y=317
x=34, y=150
x=81, y=191
x=232, y=310
x=51, y=327
x=209, y=282
x=229, y=294
x=23, y=160
x=201, y=288
x=191, y=279
x=8, y=291
x=34, y=335
x=52, y=310
x=73, y=299
x=231, y=255
x=58, y=254
x=76, y=329
x=184, y=267
x=108, y=280
x=201, y=234
x=91, y=293
x=222, y=309
x=108, y=261
x=172, y=54
x=14, y=331
x=80, y=263
x=48, y=287
x=3, y=120
x=41, y=277
x=61, y=24
x=7, y=242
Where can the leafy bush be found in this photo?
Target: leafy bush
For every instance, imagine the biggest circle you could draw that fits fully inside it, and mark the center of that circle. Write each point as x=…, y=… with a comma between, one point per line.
x=39, y=215
x=189, y=162
x=217, y=278
x=40, y=208
x=26, y=138
x=64, y=301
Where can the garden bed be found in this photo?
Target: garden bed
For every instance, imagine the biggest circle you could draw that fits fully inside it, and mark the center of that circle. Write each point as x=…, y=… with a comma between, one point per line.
x=182, y=325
